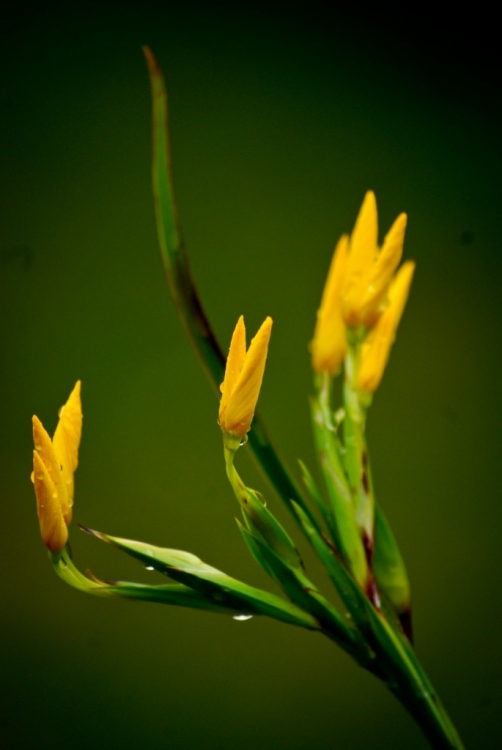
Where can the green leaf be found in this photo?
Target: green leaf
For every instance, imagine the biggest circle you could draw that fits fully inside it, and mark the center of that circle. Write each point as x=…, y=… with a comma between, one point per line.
x=262, y=523
x=303, y=593
x=175, y=594
x=390, y=571
x=255, y=551
x=214, y=585
x=184, y=292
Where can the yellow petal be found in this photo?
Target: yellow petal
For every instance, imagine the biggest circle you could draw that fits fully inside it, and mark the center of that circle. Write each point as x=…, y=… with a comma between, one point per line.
x=376, y=349
x=52, y=524
x=66, y=439
x=329, y=343
x=363, y=250
x=48, y=457
x=235, y=360
x=382, y=271
x=240, y=408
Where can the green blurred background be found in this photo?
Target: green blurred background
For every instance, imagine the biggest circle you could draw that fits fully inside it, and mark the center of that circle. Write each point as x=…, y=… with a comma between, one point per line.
x=281, y=120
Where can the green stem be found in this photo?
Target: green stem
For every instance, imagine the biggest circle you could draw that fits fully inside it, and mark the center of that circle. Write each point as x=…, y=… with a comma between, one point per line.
x=409, y=683
x=355, y=447
x=230, y=448
x=406, y=679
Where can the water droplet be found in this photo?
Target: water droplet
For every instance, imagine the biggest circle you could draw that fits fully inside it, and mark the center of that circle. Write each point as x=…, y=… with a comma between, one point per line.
x=242, y=618
x=149, y=567
x=243, y=441
x=64, y=563
x=60, y=412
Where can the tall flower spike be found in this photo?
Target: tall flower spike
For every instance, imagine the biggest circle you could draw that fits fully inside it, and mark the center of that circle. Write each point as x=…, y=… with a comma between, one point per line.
x=369, y=270
x=243, y=377
x=376, y=349
x=54, y=462
x=329, y=344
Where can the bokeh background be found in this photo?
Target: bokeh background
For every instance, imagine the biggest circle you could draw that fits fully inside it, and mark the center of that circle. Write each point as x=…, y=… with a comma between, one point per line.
x=281, y=120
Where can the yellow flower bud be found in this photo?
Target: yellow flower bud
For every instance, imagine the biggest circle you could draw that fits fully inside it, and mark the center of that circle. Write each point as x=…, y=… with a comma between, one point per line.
x=66, y=439
x=329, y=343
x=53, y=528
x=376, y=348
x=54, y=462
x=369, y=270
x=243, y=377
x=382, y=270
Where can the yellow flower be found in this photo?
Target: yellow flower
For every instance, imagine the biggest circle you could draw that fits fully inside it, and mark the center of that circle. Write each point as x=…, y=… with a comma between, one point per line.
x=243, y=377
x=376, y=348
x=54, y=463
x=369, y=270
x=329, y=343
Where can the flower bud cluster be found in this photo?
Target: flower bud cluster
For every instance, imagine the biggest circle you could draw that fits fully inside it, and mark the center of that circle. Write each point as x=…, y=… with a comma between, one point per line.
x=363, y=291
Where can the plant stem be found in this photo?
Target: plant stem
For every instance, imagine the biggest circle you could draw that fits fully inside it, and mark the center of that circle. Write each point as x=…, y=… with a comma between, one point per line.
x=355, y=447
x=410, y=685
x=394, y=657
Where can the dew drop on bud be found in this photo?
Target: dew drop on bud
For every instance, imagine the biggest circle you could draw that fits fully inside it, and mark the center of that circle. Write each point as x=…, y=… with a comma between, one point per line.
x=242, y=618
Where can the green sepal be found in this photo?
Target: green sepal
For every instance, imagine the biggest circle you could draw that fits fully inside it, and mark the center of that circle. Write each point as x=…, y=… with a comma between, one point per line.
x=390, y=571
x=345, y=529
x=213, y=584
x=303, y=593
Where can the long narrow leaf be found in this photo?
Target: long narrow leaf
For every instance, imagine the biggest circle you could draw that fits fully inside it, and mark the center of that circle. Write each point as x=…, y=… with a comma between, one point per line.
x=390, y=571
x=175, y=594
x=303, y=593
x=218, y=587
x=183, y=289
